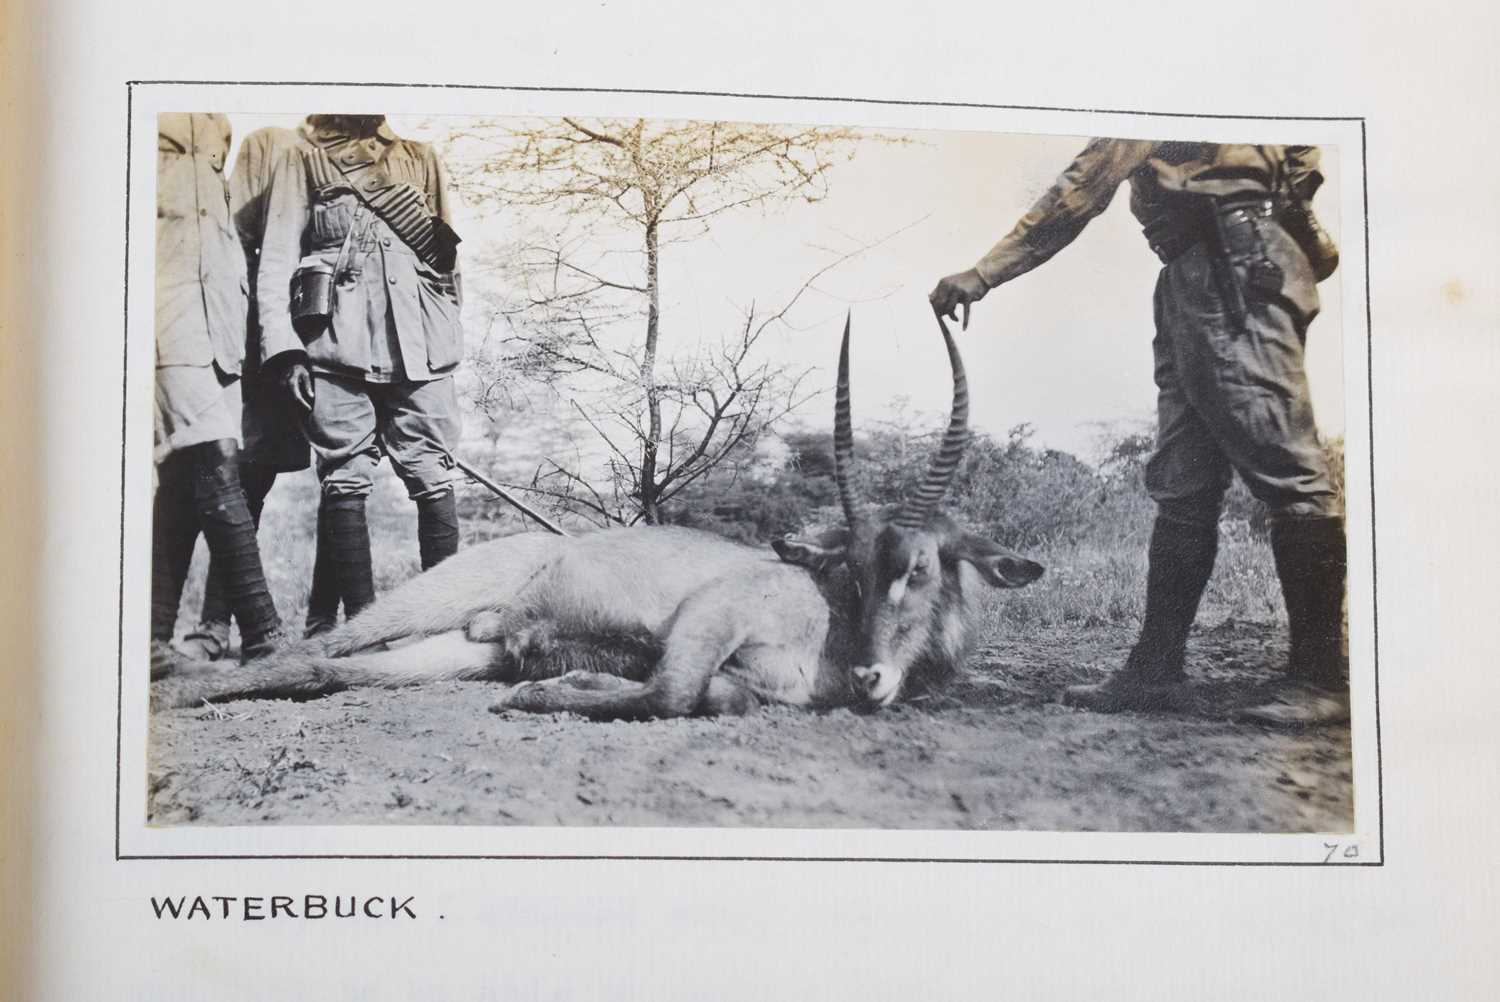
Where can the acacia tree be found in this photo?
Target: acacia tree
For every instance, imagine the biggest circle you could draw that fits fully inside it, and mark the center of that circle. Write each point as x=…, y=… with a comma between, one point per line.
x=583, y=302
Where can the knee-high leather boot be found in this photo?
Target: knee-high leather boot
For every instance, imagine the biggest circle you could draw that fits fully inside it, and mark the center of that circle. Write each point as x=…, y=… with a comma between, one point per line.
x=437, y=528
x=323, y=595
x=174, y=531
x=346, y=535
x=1311, y=560
x=1180, y=561
x=229, y=528
x=210, y=638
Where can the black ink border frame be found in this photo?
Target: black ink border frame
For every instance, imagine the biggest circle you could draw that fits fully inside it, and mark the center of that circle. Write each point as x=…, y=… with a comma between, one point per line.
x=1370, y=401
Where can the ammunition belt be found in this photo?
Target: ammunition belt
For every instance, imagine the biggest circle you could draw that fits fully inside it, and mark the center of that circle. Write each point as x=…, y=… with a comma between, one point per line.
x=401, y=206
x=1175, y=233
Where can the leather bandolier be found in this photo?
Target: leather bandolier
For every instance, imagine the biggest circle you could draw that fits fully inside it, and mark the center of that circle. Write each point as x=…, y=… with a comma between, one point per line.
x=401, y=206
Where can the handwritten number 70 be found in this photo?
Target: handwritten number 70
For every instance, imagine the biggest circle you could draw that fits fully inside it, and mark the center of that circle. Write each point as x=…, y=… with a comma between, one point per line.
x=1350, y=851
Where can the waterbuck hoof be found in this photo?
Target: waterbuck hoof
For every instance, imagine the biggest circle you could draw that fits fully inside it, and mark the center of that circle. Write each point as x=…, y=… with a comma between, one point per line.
x=529, y=697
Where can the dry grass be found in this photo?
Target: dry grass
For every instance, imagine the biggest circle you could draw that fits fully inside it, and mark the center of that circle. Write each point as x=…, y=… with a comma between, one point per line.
x=1095, y=583
x=1091, y=585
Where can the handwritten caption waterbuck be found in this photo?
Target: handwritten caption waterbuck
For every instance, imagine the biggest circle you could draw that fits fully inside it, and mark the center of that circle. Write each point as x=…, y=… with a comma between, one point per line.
x=658, y=621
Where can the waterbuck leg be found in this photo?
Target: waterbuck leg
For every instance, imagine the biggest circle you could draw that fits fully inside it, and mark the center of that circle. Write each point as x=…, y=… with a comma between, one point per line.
x=292, y=674
x=539, y=648
x=598, y=682
x=492, y=627
x=700, y=639
x=586, y=693
x=722, y=698
x=726, y=698
x=497, y=575
x=577, y=691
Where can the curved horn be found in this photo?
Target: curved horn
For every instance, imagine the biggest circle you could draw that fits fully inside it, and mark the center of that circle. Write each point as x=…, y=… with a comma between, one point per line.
x=919, y=508
x=843, y=433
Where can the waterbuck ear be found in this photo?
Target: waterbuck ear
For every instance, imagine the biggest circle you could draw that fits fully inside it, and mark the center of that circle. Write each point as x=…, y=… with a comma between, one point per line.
x=826, y=552
x=1002, y=568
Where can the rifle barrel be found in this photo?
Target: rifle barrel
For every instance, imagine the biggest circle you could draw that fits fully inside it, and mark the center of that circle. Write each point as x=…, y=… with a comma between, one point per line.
x=510, y=498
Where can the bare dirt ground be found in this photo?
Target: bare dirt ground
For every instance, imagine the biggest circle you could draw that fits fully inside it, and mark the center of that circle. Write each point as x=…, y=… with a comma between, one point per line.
x=994, y=753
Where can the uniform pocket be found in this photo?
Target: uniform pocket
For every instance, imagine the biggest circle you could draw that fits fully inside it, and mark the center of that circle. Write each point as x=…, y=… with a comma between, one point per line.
x=1299, y=290
x=1193, y=303
x=440, y=319
x=332, y=218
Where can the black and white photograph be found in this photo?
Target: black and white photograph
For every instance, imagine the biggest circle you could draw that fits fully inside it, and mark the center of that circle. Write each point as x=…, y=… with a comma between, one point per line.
x=620, y=471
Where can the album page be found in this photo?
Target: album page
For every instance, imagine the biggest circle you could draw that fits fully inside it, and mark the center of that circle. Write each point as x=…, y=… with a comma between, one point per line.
x=506, y=506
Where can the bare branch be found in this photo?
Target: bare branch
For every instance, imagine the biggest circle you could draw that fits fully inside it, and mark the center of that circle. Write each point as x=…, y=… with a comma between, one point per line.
x=571, y=319
x=596, y=136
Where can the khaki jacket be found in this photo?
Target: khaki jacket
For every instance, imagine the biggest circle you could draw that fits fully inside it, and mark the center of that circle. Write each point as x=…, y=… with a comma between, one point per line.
x=394, y=317
x=201, y=280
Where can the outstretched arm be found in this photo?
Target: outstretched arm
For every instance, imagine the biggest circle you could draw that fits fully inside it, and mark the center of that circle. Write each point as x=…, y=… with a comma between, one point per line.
x=1083, y=191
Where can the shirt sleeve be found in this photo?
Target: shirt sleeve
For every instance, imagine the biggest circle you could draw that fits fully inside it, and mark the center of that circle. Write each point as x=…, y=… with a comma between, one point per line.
x=221, y=124
x=247, y=189
x=1083, y=191
x=286, y=213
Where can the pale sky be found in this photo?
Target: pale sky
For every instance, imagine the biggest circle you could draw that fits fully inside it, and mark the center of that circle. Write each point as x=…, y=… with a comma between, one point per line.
x=1064, y=347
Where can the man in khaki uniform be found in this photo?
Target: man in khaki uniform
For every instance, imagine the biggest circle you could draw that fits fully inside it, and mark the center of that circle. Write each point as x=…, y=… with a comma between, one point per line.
x=274, y=441
x=359, y=209
x=200, y=342
x=1241, y=256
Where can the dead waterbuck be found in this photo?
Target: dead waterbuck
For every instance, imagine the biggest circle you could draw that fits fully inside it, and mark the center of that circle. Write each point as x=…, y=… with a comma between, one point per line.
x=659, y=621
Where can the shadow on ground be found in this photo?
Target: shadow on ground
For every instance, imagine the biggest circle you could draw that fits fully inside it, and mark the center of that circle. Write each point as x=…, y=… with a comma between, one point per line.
x=995, y=752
